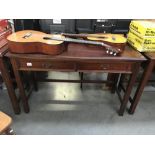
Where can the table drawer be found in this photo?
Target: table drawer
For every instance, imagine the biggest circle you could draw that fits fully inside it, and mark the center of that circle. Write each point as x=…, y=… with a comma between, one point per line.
x=116, y=67
x=48, y=65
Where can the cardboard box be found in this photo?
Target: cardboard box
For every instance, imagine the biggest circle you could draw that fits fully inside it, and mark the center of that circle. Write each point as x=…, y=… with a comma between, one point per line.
x=5, y=34
x=142, y=44
x=143, y=28
x=3, y=25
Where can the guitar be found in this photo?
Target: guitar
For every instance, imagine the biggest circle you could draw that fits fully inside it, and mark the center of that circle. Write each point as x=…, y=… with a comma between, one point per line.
x=29, y=41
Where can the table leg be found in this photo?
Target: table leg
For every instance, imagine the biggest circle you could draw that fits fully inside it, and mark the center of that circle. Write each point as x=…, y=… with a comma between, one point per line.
x=110, y=77
x=34, y=80
x=7, y=79
x=129, y=89
x=81, y=78
x=115, y=80
x=122, y=77
x=145, y=77
x=20, y=85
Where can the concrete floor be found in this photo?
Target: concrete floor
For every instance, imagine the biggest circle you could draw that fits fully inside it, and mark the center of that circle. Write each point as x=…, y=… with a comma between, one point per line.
x=63, y=108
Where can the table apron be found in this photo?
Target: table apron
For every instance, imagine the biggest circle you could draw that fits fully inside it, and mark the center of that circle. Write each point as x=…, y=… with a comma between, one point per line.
x=70, y=66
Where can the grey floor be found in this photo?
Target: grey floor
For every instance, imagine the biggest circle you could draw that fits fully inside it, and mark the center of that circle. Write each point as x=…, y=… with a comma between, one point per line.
x=63, y=108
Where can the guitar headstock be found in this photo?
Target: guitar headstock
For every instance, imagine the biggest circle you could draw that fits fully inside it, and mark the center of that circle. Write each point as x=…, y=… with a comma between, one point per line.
x=112, y=51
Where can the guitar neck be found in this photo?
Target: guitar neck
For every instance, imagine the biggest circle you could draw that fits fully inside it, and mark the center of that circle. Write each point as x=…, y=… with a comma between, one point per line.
x=83, y=35
x=75, y=35
x=81, y=41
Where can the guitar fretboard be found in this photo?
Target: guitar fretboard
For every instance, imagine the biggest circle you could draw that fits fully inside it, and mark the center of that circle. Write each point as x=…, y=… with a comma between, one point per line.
x=84, y=35
x=80, y=41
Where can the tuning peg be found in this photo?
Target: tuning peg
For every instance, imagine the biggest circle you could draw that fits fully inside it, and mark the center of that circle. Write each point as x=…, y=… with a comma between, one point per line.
x=115, y=54
x=107, y=51
x=111, y=53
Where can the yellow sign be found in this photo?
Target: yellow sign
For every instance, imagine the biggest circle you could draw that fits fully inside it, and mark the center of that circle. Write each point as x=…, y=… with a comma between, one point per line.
x=143, y=28
x=141, y=43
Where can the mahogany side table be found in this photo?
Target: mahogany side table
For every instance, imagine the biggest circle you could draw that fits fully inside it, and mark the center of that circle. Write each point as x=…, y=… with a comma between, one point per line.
x=79, y=58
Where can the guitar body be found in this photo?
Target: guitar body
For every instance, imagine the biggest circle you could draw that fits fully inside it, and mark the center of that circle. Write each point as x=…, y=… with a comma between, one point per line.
x=119, y=41
x=34, y=43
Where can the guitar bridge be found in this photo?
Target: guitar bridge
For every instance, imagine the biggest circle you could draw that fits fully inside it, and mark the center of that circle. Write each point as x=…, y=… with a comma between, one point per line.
x=27, y=35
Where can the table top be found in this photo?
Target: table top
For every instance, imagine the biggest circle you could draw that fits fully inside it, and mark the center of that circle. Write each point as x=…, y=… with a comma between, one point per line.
x=86, y=52
x=5, y=121
x=150, y=55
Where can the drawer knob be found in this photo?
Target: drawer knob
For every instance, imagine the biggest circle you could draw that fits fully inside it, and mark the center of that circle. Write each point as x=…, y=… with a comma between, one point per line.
x=104, y=66
x=29, y=64
x=47, y=65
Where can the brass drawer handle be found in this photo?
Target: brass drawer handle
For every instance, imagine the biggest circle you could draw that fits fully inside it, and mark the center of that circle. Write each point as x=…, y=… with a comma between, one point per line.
x=47, y=65
x=104, y=66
